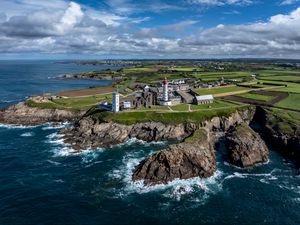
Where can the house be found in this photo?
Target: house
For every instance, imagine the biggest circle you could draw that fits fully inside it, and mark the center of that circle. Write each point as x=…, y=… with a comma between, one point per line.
x=204, y=99
x=126, y=105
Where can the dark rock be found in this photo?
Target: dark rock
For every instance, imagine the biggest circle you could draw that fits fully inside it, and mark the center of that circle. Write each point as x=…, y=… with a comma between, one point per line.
x=245, y=147
x=193, y=158
x=89, y=132
x=282, y=132
x=21, y=114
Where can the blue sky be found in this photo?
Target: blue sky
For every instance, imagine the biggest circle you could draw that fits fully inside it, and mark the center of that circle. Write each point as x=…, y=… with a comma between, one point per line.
x=89, y=29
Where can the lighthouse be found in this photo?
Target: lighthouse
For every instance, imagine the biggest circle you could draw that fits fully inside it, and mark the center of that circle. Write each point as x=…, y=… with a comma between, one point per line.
x=165, y=97
x=115, y=102
x=165, y=90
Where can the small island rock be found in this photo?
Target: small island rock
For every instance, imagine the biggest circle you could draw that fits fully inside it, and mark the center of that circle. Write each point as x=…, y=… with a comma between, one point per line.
x=245, y=147
x=194, y=157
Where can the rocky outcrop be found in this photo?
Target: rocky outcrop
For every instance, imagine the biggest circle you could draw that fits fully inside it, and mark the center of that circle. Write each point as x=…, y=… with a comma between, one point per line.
x=92, y=133
x=88, y=75
x=194, y=157
x=21, y=114
x=89, y=133
x=281, y=131
x=245, y=147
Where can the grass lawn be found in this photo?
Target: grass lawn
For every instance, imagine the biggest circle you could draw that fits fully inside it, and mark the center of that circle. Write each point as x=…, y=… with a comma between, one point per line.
x=217, y=104
x=163, y=117
x=78, y=103
x=43, y=105
x=291, y=102
x=153, y=108
x=219, y=90
x=180, y=107
x=256, y=96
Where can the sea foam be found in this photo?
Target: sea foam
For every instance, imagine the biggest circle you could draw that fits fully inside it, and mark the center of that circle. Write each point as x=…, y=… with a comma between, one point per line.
x=14, y=126
x=175, y=189
x=28, y=134
x=51, y=126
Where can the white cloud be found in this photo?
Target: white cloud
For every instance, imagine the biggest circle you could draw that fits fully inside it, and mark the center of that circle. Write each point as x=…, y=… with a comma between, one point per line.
x=220, y=2
x=289, y=2
x=72, y=16
x=70, y=28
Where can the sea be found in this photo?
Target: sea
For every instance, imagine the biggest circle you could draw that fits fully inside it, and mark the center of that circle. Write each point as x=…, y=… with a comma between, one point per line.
x=43, y=182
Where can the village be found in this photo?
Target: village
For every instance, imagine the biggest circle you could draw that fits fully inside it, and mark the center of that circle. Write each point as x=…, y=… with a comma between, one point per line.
x=171, y=93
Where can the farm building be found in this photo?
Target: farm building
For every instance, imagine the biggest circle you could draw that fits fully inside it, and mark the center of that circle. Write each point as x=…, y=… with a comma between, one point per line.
x=204, y=99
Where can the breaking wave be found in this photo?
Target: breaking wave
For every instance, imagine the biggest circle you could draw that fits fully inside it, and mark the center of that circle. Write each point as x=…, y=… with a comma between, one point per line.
x=14, y=126
x=27, y=134
x=61, y=149
x=52, y=126
x=175, y=190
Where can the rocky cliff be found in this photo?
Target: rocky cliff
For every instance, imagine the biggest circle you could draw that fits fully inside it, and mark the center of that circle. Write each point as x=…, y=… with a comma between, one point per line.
x=194, y=157
x=282, y=130
x=245, y=147
x=21, y=114
x=92, y=133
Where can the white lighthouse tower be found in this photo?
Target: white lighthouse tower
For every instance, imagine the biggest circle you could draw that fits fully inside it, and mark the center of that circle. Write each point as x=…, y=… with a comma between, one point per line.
x=115, y=102
x=165, y=98
x=165, y=90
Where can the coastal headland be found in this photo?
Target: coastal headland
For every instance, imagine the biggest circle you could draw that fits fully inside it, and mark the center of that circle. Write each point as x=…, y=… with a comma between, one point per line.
x=251, y=109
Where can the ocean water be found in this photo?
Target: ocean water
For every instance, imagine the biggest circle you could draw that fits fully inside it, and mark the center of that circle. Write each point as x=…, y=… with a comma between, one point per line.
x=43, y=182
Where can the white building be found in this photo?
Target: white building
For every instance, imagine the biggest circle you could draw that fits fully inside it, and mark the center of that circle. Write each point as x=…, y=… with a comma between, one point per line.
x=115, y=102
x=165, y=90
x=205, y=99
x=126, y=104
x=165, y=99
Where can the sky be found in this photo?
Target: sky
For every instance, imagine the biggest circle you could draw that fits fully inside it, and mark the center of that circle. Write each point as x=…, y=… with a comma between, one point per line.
x=141, y=29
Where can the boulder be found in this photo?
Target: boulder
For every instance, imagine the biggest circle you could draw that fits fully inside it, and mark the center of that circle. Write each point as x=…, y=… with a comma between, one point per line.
x=194, y=157
x=245, y=147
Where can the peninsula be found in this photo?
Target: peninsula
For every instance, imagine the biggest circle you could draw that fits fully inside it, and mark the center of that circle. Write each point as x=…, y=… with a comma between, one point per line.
x=253, y=105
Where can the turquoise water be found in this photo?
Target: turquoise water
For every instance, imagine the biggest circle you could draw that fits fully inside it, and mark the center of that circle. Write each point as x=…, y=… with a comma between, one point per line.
x=42, y=182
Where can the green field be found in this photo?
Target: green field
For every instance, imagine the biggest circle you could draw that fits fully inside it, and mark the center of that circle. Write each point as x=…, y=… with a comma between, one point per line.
x=219, y=90
x=217, y=104
x=78, y=103
x=163, y=117
x=291, y=87
x=256, y=96
x=153, y=108
x=276, y=72
x=283, y=78
x=291, y=102
x=180, y=108
x=141, y=69
x=185, y=69
x=212, y=76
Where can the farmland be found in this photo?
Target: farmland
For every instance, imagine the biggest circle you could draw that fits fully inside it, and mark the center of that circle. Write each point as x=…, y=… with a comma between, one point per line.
x=256, y=96
x=292, y=102
x=220, y=90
